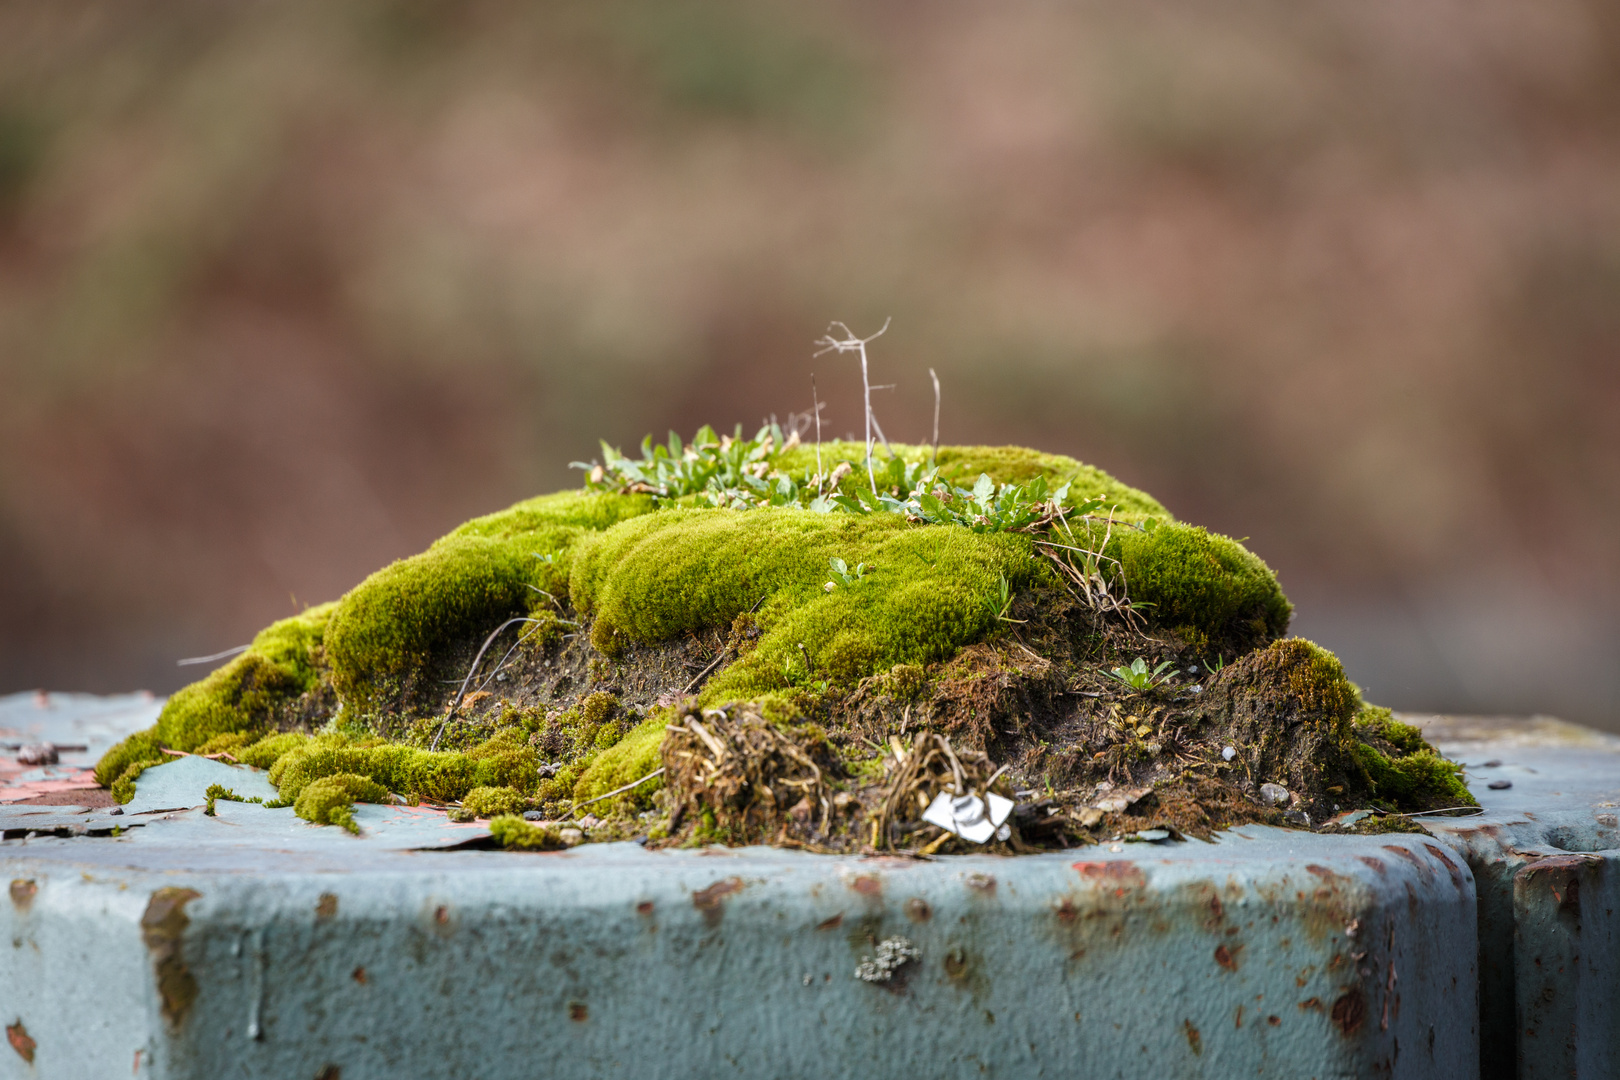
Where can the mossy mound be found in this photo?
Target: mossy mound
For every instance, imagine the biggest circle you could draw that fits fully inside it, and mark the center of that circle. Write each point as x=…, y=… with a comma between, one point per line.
x=844, y=616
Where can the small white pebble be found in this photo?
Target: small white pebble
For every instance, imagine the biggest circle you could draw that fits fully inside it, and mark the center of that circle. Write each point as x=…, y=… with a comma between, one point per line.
x=1228, y=754
x=1273, y=794
x=1197, y=688
x=1115, y=847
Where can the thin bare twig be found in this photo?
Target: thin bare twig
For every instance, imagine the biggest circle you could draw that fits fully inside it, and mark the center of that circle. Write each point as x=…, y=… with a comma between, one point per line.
x=933, y=458
x=721, y=655
x=621, y=790
x=850, y=343
x=210, y=659
x=482, y=649
x=815, y=401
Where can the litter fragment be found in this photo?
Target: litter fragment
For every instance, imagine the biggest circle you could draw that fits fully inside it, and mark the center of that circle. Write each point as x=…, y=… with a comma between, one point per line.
x=968, y=817
x=38, y=754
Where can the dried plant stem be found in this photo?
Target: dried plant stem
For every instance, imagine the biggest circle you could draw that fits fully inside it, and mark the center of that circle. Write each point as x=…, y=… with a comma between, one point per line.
x=212, y=657
x=816, y=402
x=933, y=457
x=850, y=343
x=478, y=659
x=621, y=790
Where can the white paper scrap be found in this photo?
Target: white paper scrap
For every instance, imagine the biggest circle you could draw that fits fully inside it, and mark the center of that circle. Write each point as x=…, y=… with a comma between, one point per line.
x=968, y=816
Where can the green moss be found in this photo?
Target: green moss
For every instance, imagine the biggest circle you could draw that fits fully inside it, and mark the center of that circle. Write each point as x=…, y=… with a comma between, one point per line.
x=1314, y=678
x=1201, y=584
x=387, y=629
x=123, y=763
x=265, y=752
x=629, y=759
x=216, y=792
x=1419, y=781
x=491, y=802
x=511, y=831
x=237, y=699
x=330, y=800
x=1378, y=722
x=437, y=777
x=658, y=577
x=906, y=682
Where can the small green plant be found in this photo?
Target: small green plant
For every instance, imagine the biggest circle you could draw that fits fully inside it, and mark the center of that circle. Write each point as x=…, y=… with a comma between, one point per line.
x=1001, y=603
x=1140, y=677
x=849, y=577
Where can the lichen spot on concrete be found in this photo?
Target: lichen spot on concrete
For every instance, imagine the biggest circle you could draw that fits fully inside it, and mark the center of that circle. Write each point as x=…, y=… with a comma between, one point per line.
x=982, y=883
x=917, y=909
x=163, y=926
x=23, y=891
x=360, y=975
x=17, y=1036
x=578, y=1012
x=711, y=901
x=1228, y=957
x=644, y=908
x=326, y=906
x=868, y=885
x=1195, y=1040
x=441, y=915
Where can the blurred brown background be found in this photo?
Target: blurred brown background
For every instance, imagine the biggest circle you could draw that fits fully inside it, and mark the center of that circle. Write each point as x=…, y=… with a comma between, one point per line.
x=288, y=289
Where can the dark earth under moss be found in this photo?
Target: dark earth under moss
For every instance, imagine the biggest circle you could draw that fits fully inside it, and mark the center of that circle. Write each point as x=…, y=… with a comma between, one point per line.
x=791, y=704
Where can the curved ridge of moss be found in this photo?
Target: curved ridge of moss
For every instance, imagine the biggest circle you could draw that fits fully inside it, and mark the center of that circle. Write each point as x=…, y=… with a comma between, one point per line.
x=282, y=662
x=925, y=593
x=1203, y=585
x=386, y=629
x=651, y=577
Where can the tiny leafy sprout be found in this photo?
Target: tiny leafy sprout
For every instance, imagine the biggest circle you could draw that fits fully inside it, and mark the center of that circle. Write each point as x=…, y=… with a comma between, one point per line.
x=843, y=573
x=1002, y=603
x=1149, y=524
x=1139, y=677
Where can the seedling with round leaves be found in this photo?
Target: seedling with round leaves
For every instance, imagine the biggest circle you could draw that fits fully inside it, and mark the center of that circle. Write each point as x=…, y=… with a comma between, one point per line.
x=1140, y=677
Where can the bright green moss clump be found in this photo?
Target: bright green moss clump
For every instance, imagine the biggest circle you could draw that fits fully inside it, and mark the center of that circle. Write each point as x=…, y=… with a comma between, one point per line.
x=929, y=590
x=437, y=777
x=631, y=758
x=1380, y=723
x=387, y=629
x=330, y=800
x=1420, y=781
x=648, y=577
x=1207, y=587
x=281, y=663
x=511, y=831
x=490, y=802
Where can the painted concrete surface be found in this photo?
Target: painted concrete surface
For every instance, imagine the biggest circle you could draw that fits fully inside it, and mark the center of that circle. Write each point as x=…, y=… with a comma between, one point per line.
x=1264, y=955
x=249, y=944
x=1546, y=859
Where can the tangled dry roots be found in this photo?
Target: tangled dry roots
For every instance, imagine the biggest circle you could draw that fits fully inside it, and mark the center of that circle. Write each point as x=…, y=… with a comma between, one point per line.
x=744, y=779
x=914, y=775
